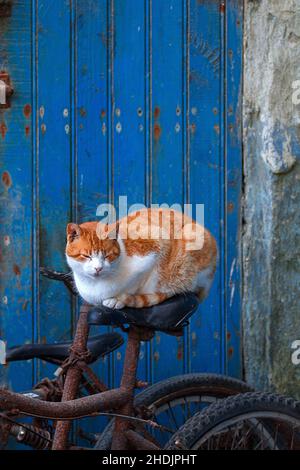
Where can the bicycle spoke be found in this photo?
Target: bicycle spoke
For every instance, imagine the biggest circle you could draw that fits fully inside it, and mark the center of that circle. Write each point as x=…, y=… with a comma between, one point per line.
x=173, y=416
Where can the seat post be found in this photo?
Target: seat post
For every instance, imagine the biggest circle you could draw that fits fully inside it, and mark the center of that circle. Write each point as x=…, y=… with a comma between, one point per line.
x=73, y=376
x=128, y=383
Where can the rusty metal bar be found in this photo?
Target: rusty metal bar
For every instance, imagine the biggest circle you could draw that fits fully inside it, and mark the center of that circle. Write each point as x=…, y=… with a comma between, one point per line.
x=138, y=442
x=96, y=383
x=73, y=376
x=73, y=409
x=128, y=383
x=120, y=399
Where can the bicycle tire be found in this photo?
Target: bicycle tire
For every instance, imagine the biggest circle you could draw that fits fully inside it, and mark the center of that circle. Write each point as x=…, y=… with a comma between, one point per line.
x=218, y=418
x=214, y=386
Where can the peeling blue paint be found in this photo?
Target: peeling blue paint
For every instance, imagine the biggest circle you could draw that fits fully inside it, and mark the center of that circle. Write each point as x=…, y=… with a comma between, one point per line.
x=122, y=103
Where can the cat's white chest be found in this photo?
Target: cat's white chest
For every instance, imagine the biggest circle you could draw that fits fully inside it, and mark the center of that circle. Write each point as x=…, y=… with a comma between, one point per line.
x=131, y=275
x=94, y=292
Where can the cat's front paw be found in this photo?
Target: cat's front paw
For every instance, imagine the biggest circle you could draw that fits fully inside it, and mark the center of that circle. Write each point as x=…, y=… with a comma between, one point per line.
x=113, y=302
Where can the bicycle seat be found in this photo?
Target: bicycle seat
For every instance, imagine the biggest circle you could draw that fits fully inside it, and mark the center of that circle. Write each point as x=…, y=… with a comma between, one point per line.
x=56, y=353
x=66, y=278
x=170, y=315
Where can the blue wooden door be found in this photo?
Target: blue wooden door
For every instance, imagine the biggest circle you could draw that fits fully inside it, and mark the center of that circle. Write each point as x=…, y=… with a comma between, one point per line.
x=118, y=98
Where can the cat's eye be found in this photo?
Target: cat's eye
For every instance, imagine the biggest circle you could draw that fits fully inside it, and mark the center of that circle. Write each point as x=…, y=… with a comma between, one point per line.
x=85, y=256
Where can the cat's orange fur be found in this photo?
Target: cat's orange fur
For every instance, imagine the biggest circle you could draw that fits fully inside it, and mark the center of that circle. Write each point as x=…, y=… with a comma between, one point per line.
x=151, y=249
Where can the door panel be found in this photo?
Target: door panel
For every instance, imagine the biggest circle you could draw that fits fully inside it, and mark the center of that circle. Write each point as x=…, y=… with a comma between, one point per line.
x=118, y=98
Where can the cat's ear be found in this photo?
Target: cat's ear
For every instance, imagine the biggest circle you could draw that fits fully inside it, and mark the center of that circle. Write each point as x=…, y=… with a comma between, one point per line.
x=73, y=231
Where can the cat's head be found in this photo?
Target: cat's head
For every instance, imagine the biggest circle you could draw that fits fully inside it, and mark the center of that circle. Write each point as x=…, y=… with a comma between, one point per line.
x=91, y=251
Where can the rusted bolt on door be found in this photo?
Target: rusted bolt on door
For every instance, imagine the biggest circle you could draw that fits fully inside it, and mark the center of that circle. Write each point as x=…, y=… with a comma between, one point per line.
x=3, y=130
x=27, y=110
x=6, y=179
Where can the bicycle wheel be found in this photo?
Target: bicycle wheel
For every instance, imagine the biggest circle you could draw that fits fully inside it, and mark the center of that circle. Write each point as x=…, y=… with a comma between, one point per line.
x=252, y=421
x=174, y=400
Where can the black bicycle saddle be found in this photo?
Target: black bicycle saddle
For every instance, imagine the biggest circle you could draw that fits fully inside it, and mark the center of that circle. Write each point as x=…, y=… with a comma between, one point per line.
x=56, y=353
x=168, y=316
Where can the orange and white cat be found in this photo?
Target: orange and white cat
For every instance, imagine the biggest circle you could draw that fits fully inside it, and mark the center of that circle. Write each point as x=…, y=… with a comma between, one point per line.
x=143, y=259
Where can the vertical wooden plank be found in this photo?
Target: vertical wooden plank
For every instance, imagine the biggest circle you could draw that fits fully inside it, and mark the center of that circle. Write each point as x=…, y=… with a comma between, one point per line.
x=55, y=168
x=206, y=170
x=35, y=187
x=16, y=193
x=128, y=123
x=234, y=41
x=91, y=107
x=90, y=71
x=185, y=139
x=167, y=145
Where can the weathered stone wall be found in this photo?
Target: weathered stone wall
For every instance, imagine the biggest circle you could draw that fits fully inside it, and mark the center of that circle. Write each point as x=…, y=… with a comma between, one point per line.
x=271, y=230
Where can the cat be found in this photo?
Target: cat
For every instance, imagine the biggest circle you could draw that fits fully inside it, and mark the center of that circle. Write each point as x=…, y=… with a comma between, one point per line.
x=142, y=260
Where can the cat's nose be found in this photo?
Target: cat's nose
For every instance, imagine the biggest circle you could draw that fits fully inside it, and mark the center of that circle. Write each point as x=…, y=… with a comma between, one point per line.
x=98, y=270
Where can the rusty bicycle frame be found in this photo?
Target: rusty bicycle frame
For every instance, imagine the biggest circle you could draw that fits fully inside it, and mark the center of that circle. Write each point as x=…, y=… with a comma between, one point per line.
x=118, y=400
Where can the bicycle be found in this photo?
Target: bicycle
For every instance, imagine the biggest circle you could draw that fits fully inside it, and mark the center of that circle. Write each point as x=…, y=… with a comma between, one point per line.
x=142, y=422
x=249, y=421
